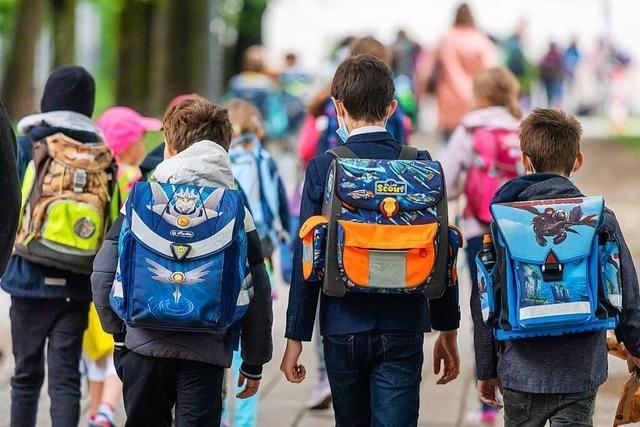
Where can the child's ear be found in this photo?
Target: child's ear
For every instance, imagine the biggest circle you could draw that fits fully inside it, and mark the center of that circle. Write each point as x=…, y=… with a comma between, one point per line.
x=577, y=165
x=526, y=163
x=338, y=106
x=391, y=108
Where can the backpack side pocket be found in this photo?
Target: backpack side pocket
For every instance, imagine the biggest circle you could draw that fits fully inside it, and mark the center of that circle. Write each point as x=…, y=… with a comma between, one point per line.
x=313, y=234
x=610, y=277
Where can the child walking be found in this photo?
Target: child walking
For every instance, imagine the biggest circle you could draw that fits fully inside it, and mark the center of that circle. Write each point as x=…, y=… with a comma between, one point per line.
x=373, y=341
x=185, y=315
x=482, y=154
x=62, y=224
x=561, y=249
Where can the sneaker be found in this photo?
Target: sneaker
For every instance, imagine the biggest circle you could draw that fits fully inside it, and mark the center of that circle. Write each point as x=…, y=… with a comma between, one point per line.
x=489, y=416
x=320, y=396
x=101, y=420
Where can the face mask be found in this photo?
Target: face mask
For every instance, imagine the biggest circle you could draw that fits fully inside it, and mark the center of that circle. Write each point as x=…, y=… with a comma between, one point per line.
x=342, y=131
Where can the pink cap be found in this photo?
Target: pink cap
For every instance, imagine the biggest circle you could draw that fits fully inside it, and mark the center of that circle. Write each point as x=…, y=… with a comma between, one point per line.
x=122, y=127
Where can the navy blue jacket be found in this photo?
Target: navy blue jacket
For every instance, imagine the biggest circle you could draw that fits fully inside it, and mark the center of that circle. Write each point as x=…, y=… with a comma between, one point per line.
x=354, y=312
x=565, y=364
x=24, y=278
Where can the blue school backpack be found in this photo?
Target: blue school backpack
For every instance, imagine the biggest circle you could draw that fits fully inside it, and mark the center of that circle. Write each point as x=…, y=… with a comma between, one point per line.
x=256, y=172
x=557, y=270
x=383, y=229
x=182, y=259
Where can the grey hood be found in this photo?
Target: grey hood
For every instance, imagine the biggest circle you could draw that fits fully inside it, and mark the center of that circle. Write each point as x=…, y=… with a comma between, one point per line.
x=63, y=119
x=204, y=163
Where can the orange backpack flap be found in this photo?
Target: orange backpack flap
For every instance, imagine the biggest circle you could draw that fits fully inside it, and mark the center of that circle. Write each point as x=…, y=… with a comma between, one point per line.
x=389, y=256
x=313, y=236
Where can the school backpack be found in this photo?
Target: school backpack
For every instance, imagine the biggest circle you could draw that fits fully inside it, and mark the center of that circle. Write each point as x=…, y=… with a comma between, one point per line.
x=496, y=159
x=182, y=259
x=67, y=196
x=383, y=228
x=256, y=172
x=557, y=269
x=270, y=103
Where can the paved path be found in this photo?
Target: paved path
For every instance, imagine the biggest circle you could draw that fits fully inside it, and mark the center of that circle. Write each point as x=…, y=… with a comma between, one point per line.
x=610, y=169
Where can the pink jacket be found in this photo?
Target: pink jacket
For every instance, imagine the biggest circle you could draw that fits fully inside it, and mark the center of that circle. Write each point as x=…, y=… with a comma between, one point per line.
x=463, y=52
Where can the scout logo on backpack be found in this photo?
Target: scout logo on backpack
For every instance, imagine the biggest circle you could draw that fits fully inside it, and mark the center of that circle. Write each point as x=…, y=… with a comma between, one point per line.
x=182, y=259
x=66, y=194
x=557, y=269
x=383, y=228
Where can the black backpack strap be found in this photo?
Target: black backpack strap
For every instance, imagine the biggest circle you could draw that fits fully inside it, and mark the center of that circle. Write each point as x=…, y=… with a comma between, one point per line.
x=342, y=152
x=408, y=153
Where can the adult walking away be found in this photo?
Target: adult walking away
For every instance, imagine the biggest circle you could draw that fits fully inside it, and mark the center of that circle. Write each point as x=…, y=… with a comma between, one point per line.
x=462, y=53
x=9, y=188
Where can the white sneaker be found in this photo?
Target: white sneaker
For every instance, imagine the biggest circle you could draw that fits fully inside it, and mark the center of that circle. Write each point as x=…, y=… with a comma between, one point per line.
x=320, y=397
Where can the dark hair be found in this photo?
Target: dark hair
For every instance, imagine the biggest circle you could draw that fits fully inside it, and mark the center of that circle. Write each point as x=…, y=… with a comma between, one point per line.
x=196, y=119
x=464, y=16
x=364, y=85
x=551, y=139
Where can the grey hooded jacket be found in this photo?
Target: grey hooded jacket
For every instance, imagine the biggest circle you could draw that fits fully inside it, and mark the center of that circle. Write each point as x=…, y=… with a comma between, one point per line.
x=206, y=164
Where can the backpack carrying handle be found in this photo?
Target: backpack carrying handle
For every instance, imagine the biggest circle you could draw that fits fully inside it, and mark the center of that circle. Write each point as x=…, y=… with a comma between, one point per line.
x=344, y=152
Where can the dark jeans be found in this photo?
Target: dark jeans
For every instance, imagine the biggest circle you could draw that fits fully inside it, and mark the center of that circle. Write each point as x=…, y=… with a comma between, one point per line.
x=59, y=324
x=152, y=386
x=534, y=410
x=375, y=377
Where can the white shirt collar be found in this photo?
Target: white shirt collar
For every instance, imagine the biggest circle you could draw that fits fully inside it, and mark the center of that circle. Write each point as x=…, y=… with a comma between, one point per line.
x=367, y=129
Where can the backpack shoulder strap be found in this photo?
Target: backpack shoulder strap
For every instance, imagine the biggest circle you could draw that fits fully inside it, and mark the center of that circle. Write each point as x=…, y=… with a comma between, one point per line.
x=408, y=153
x=342, y=152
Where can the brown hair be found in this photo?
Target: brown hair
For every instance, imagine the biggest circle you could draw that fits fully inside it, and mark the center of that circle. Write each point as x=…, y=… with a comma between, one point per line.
x=464, y=17
x=253, y=59
x=196, y=119
x=370, y=46
x=551, y=139
x=244, y=117
x=364, y=85
x=499, y=87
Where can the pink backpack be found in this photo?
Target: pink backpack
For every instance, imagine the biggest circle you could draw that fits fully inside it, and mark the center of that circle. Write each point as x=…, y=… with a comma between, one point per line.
x=496, y=156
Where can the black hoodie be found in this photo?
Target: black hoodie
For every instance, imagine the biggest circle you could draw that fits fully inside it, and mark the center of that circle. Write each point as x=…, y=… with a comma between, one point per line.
x=569, y=363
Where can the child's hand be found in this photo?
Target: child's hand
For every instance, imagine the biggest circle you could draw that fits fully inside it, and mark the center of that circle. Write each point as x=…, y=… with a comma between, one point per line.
x=250, y=386
x=445, y=351
x=294, y=372
x=487, y=392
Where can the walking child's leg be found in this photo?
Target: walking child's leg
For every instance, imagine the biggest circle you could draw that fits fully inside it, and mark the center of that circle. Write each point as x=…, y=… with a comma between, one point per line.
x=198, y=394
x=149, y=388
x=395, y=378
x=348, y=378
x=28, y=333
x=525, y=409
x=63, y=359
x=574, y=409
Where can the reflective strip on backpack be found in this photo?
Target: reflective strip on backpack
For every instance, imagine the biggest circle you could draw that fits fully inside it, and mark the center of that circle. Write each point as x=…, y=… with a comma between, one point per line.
x=161, y=245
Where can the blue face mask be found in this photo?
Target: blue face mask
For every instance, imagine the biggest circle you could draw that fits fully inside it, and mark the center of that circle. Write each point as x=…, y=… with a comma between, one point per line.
x=342, y=131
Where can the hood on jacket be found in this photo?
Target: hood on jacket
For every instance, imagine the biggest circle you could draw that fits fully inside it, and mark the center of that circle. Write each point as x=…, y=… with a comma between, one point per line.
x=204, y=163
x=59, y=119
x=490, y=117
x=537, y=186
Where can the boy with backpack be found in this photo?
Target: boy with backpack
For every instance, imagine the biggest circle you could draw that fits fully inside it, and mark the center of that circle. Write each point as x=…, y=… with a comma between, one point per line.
x=181, y=280
x=554, y=275
x=368, y=240
x=69, y=193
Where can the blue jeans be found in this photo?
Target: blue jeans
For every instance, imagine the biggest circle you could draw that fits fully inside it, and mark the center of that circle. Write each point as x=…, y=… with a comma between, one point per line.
x=535, y=409
x=375, y=377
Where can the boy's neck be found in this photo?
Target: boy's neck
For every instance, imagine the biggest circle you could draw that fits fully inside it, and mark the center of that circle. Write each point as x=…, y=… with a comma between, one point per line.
x=357, y=124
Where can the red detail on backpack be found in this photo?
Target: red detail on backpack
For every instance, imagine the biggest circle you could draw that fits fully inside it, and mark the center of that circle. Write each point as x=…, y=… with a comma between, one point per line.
x=496, y=156
x=551, y=258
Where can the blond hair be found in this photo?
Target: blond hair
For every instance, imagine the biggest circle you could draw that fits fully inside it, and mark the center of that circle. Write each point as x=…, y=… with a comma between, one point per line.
x=244, y=116
x=499, y=87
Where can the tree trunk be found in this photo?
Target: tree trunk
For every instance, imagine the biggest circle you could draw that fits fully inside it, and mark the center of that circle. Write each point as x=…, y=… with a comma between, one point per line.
x=64, y=28
x=134, y=54
x=18, y=92
x=249, y=33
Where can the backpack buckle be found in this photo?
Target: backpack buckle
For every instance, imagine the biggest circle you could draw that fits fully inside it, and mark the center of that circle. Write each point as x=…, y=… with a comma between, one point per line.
x=79, y=180
x=552, y=270
x=180, y=251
